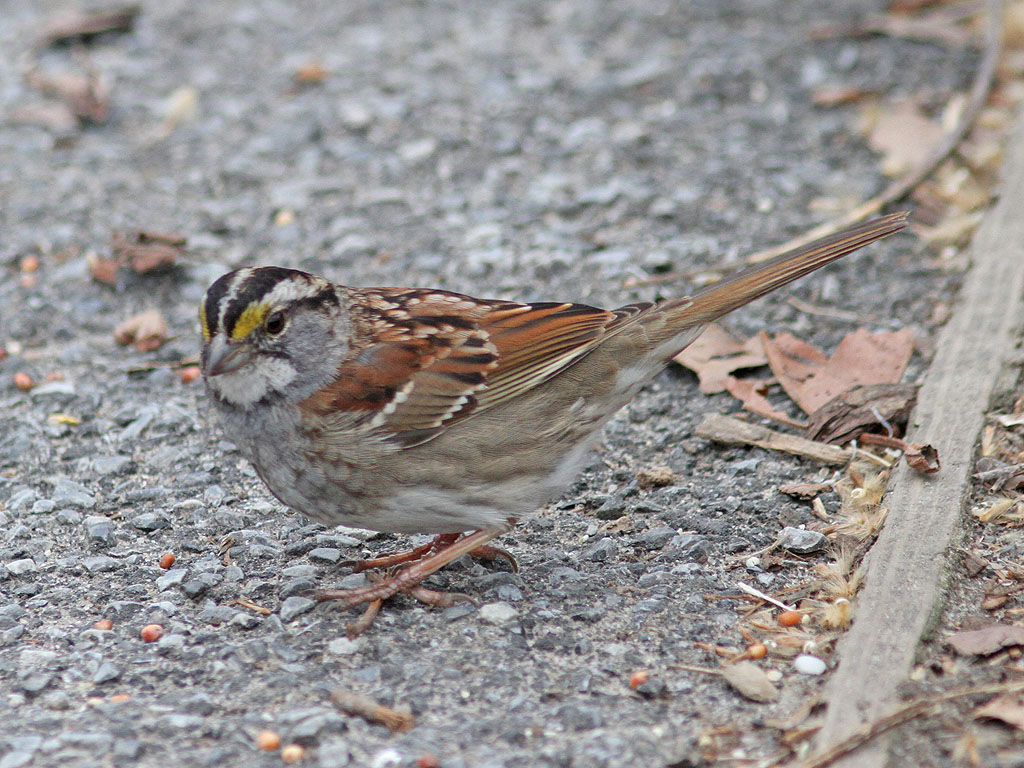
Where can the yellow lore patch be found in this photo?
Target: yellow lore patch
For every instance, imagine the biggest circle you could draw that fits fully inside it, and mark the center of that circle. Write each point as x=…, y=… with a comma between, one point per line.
x=251, y=318
x=203, y=324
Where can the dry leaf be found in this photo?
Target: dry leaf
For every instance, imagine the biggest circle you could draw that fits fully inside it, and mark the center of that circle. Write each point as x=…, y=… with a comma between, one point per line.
x=922, y=457
x=78, y=24
x=746, y=391
x=55, y=116
x=861, y=359
x=147, y=251
x=86, y=95
x=102, y=270
x=715, y=354
x=147, y=330
x=1009, y=708
x=862, y=409
x=903, y=134
x=751, y=681
x=986, y=641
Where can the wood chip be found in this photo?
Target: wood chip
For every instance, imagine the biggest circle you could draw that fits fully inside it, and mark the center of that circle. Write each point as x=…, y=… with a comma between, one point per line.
x=733, y=431
x=363, y=706
x=805, y=491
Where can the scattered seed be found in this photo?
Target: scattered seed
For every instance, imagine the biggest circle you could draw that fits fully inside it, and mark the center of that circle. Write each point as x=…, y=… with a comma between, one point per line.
x=152, y=632
x=806, y=664
x=268, y=741
x=167, y=560
x=292, y=753
x=104, y=624
x=789, y=618
x=23, y=381
x=190, y=374
x=638, y=678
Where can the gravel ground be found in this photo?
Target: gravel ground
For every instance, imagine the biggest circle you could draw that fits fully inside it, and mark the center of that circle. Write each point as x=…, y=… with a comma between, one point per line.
x=516, y=149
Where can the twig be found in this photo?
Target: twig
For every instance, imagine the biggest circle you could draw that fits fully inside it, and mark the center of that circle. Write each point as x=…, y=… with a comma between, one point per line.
x=900, y=188
x=733, y=431
x=762, y=596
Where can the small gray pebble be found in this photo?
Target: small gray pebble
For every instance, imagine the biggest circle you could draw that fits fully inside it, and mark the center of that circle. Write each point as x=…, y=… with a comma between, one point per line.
x=497, y=613
x=655, y=538
x=106, y=673
x=295, y=606
x=99, y=529
x=71, y=494
x=24, y=565
x=69, y=517
x=802, y=542
x=99, y=564
x=604, y=550
x=298, y=587
x=43, y=506
x=150, y=521
x=171, y=579
x=325, y=554
x=112, y=465
x=302, y=571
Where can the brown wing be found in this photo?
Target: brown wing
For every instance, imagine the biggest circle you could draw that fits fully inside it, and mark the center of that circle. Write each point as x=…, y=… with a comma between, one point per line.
x=437, y=357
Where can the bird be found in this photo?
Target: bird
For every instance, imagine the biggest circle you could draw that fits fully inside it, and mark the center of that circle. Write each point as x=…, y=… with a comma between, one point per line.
x=420, y=410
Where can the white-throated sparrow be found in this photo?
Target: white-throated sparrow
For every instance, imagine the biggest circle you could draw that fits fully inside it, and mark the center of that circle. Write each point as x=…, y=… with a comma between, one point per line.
x=424, y=411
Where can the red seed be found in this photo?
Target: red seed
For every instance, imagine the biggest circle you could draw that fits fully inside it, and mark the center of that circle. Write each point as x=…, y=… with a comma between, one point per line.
x=152, y=632
x=104, y=624
x=167, y=560
x=23, y=381
x=789, y=618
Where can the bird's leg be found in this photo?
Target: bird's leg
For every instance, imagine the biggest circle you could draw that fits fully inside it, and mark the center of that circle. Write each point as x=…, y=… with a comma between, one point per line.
x=408, y=578
x=418, y=553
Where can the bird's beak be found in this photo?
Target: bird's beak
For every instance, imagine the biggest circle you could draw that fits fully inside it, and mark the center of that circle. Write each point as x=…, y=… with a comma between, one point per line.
x=223, y=356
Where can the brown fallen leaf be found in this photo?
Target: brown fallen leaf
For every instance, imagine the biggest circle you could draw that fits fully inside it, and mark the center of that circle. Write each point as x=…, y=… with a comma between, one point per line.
x=902, y=134
x=80, y=24
x=54, y=116
x=987, y=640
x=862, y=359
x=85, y=94
x=1008, y=708
x=922, y=457
x=750, y=681
x=716, y=354
x=862, y=409
x=805, y=491
x=103, y=270
x=147, y=330
x=746, y=391
x=147, y=251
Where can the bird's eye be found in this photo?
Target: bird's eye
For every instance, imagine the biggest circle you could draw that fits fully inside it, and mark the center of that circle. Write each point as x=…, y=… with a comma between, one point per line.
x=275, y=323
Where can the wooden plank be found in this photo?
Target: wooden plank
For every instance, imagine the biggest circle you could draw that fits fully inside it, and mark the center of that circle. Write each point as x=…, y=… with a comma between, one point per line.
x=903, y=588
